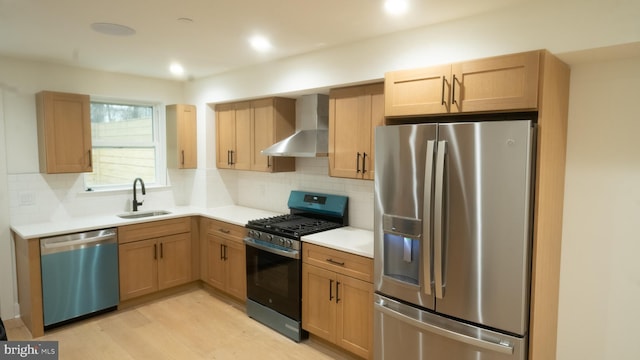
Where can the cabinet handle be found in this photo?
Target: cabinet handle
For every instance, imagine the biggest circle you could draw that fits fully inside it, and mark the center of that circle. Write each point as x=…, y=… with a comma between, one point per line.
x=225, y=252
x=225, y=231
x=358, y=163
x=330, y=290
x=442, y=102
x=155, y=252
x=182, y=157
x=221, y=252
x=268, y=161
x=161, y=251
x=453, y=91
x=341, y=263
x=90, y=158
x=364, y=159
x=337, y=292
x=228, y=157
x=231, y=152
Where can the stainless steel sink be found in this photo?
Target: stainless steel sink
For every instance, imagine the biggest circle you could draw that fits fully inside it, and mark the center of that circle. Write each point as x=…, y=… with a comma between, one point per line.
x=143, y=214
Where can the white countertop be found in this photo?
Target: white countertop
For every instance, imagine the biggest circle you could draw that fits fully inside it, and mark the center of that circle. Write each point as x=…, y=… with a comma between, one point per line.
x=237, y=215
x=349, y=239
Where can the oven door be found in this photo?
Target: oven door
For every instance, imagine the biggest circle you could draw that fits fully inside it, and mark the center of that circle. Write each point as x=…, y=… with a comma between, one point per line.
x=273, y=277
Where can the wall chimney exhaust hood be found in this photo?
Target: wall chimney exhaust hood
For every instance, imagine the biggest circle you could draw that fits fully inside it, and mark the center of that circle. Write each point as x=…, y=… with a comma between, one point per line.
x=312, y=137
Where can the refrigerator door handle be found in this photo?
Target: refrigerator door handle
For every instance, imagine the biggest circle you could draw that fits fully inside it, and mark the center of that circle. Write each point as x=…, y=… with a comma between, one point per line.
x=438, y=215
x=426, y=216
x=503, y=347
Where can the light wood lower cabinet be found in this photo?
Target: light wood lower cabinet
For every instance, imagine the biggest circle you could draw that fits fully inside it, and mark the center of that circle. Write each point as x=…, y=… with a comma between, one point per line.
x=337, y=298
x=154, y=257
x=224, y=262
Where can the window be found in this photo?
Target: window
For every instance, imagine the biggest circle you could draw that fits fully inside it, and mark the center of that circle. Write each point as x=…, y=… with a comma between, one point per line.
x=125, y=145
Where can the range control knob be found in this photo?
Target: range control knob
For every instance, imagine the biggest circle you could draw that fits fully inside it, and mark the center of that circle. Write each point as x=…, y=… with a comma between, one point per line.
x=281, y=240
x=289, y=243
x=270, y=238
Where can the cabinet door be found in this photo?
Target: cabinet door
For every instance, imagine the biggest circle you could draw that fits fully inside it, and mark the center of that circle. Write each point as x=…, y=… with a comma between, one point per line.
x=263, y=133
x=354, y=326
x=376, y=92
x=182, y=142
x=417, y=91
x=354, y=113
x=64, y=132
x=241, y=156
x=347, y=128
x=188, y=137
x=215, y=275
x=138, y=268
x=318, y=301
x=225, y=135
x=236, y=270
x=507, y=82
x=174, y=261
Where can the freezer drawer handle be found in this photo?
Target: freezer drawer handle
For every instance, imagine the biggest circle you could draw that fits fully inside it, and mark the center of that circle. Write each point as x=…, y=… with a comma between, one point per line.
x=502, y=347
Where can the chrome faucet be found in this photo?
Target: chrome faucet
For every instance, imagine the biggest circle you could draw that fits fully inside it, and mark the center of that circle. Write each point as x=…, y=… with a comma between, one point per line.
x=135, y=200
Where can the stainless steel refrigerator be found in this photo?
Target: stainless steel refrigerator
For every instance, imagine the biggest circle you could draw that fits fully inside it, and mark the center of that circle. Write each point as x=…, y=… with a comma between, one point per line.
x=453, y=240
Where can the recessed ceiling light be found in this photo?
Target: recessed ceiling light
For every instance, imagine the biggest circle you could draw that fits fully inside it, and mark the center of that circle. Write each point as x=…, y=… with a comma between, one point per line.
x=396, y=7
x=113, y=29
x=176, y=69
x=260, y=43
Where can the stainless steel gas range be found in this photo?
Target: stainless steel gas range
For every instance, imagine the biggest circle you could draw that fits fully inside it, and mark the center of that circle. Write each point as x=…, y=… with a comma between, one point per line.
x=274, y=258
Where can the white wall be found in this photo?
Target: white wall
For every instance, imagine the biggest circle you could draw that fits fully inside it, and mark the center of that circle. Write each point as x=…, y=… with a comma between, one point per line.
x=600, y=275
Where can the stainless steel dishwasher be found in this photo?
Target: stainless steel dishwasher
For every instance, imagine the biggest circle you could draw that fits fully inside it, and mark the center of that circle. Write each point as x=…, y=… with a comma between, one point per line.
x=79, y=275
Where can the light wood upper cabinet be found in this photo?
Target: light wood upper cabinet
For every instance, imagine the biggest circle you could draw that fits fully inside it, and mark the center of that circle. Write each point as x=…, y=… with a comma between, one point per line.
x=246, y=128
x=354, y=113
x=500, y=83
x=182, y=136
x=233, y=135
x=418, y=91
x=64, y=132
x=337, y=298
x=274, y=119
x=507, y=82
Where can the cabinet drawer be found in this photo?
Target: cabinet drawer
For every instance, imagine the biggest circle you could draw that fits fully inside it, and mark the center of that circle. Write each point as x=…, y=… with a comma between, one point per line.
x=226, y=230
x=154, y=229
x=356, y=266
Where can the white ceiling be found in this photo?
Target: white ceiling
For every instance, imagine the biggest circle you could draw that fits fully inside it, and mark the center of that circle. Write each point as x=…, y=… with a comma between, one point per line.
x=215, y=41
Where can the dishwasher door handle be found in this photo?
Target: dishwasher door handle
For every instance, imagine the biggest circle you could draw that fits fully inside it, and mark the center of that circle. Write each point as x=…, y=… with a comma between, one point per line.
x=54, y=245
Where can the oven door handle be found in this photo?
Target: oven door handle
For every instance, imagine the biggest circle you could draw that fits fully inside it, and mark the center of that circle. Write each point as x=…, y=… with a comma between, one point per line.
x=293, y=254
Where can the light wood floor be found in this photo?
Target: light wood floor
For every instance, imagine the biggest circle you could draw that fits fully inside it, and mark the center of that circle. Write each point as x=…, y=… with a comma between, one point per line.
x=192, y=325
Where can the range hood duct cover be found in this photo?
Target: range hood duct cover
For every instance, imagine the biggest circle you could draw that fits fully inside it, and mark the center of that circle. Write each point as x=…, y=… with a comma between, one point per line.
x=312, y=137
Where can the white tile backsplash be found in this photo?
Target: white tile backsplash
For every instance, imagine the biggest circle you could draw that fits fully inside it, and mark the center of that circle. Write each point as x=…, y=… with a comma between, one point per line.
x=39, y=197
x=271, y=191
